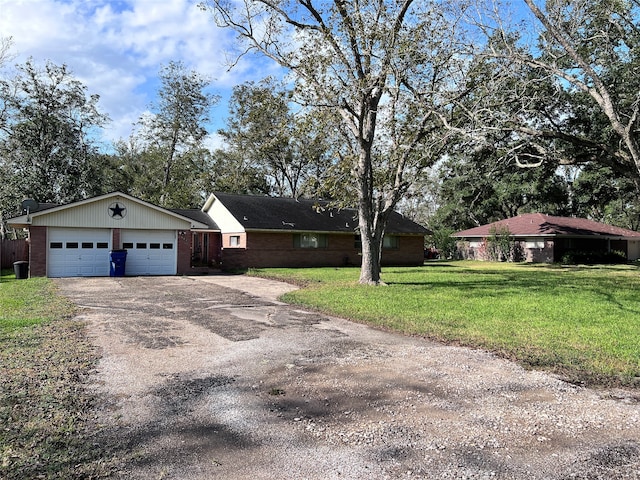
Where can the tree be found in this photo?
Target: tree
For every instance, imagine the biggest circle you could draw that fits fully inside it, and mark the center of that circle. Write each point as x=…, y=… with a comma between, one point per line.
x=175, y=128
x=291, y=147
x=231, y=172
x=260, y=128
x=47, y=138
x=601, y=195
x=388, y=69
x=484, y=186
x=587, y=53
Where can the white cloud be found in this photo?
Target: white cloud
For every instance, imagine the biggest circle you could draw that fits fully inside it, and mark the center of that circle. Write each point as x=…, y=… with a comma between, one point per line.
x=116, y=48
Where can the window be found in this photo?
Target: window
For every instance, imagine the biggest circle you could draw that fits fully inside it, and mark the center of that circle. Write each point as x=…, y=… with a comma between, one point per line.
x=55, y=245
x=154, y=246
x=167, y=246
x=534, y=244
x=87, y=244
x=390, y=242
x=141, y=245
x=234, y=241
x=387, y=242
x=72, y=244
x=102, y=245
x=127, y=245
x=310, y=240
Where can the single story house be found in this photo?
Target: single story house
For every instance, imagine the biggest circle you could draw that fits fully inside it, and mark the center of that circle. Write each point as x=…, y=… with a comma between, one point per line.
x=261, y=231
x=545, y=238
x=229, y=232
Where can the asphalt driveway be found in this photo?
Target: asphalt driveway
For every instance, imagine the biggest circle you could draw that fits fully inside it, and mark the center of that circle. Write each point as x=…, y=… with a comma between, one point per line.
x=210, y=377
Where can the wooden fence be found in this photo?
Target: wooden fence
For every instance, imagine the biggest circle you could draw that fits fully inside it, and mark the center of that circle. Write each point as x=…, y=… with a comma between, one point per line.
x=13, y=251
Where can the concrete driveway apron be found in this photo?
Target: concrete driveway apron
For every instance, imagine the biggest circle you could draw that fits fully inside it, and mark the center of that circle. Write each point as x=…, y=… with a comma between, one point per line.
x=211, y=377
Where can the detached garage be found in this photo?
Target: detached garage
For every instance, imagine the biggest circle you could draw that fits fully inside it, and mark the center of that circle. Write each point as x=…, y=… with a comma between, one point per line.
x=75, y=240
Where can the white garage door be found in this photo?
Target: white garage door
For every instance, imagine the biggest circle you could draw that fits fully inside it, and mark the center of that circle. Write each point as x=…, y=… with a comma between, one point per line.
x=78, y=252
x=150, y=252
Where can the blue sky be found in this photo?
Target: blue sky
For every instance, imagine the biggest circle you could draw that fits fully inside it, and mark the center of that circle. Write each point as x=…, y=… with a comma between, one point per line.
x=116, y=48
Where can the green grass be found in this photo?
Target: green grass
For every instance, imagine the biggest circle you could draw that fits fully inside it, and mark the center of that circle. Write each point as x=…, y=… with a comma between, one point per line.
x=28, y=302
x=582, y=322
x=44, y=359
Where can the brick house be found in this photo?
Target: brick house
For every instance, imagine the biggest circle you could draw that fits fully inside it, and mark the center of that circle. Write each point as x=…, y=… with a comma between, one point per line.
x=260, y=231
x=546, y=239
x=230, y=231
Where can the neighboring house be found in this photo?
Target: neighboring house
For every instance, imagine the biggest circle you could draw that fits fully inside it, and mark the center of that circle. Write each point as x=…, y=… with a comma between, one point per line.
x=230, y=231
x=260, y=231
x=544, y=238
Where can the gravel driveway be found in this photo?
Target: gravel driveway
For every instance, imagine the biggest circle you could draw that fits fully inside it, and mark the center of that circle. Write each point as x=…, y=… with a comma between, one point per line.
x=211, y=378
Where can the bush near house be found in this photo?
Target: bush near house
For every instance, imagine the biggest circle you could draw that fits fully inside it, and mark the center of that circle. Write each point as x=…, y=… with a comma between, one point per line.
x=593, y=258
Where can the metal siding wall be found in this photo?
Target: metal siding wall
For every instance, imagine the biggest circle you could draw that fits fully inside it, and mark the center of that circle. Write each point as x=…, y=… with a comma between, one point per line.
x=96, y=215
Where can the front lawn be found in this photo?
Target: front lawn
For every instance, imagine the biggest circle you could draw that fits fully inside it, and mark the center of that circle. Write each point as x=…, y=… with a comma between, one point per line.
x=45, y=357
x=580, y=322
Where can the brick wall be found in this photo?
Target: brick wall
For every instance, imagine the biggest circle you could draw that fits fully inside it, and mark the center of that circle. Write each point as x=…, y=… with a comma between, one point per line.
x=268, y=250
x=184, y=252
x=539, y=255
x=37, y=251
x=116, y=242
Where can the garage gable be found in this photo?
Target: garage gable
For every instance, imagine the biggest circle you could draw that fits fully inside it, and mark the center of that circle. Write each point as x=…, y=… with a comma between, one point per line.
x=116, y=210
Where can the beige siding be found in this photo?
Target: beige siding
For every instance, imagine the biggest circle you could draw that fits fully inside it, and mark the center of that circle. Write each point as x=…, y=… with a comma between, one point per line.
x=96, y=215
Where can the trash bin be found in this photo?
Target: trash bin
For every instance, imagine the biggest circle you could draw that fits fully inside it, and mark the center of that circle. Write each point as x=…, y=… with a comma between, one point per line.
x=117, y=260
x=21, y=269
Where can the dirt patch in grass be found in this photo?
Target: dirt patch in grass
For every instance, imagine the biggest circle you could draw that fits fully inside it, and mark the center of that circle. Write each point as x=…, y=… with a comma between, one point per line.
x=45, y=410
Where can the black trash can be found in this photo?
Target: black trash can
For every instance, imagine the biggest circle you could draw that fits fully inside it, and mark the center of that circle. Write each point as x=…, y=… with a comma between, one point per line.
x=21, y=269
x=117, y=261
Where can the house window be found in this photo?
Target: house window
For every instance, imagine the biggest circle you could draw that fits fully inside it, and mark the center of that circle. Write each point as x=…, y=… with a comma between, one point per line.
x=534, y=244
x=102, y=245
x=390, y=242
x=475, y=244
x=234, y=241
x=55, y=245
x=127, y=245
x=310, y=240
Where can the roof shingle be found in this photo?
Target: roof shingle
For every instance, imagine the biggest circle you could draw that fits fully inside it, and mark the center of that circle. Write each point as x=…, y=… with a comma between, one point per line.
x=538, y=224
x=277, y=213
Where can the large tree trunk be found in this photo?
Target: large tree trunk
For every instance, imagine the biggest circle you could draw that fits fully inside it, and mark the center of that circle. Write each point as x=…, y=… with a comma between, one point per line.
x=370, y=222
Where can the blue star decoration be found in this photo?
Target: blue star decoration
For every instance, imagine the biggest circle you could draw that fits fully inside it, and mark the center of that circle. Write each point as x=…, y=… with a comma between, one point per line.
x=117, y=211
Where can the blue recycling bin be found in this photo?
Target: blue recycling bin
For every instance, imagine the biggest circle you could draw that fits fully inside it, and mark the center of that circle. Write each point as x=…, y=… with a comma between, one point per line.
x=117, y=261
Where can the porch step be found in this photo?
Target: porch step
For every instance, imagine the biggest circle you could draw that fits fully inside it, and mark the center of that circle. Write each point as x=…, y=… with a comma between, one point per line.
x=204, y=271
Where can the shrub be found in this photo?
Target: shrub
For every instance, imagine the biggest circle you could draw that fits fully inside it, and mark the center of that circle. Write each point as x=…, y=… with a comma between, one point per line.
x=606, y=258
x=444, y=243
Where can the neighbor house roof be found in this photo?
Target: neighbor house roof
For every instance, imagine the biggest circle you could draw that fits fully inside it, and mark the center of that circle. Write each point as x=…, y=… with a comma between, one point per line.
x=540, y=225
x=276, y=213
